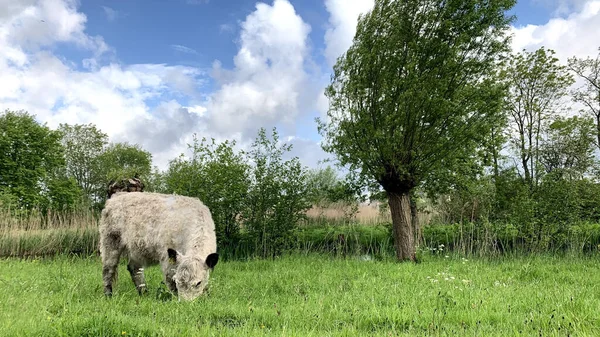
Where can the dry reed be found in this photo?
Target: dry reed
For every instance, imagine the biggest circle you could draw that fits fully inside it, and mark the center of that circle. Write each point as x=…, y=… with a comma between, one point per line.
x=36, y=234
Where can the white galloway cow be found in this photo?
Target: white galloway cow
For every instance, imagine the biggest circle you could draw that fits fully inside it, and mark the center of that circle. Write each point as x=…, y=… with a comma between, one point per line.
x=174, y=231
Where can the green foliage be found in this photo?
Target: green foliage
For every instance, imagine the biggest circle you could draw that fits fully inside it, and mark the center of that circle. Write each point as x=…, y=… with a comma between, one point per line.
x=416, y=94
x=537, y=84
x=568, y=148
x=416, y=88
x=325, y=187
x=83, y=146
x=156, y=181
x=277, y=196
x=217, y=175
x=258, y=190
x=124, y=160
x=472, y=201
x=588, y=94
x=30, y=154
x=64, y=194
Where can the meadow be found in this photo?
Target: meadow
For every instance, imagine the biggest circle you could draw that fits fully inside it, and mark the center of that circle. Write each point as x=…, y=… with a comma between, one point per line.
x=311, y=295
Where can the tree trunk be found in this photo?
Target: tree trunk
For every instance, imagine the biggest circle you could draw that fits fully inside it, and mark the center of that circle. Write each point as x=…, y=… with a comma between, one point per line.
x=402, y=225
x=414, y=217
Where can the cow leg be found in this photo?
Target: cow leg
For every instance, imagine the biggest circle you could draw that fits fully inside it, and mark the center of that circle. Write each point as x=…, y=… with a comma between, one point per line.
x=137, y=275
x=111, y=253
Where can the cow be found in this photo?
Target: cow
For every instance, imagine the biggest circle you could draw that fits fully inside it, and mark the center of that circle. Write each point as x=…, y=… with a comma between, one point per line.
x=174, y=231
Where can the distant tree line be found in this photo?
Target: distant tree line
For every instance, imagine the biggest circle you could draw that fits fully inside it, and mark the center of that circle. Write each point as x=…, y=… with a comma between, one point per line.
x=430, y=100
x=429, y=103
x=257, y=197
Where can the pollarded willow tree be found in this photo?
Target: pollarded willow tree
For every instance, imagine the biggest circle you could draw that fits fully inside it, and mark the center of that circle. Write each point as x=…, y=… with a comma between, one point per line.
x=415, y=93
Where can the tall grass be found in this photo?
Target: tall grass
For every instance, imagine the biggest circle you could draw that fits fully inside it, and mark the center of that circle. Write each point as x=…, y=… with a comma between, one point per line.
x=327, y=231
x=38, y=234
x=343, y=213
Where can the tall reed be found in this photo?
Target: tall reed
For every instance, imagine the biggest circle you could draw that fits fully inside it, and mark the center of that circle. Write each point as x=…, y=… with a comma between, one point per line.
x=34, y=233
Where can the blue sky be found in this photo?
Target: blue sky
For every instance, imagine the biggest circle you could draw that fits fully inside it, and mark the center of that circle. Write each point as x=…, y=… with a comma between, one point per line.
x=156, y=72
x=146, y=31
x=210, y=29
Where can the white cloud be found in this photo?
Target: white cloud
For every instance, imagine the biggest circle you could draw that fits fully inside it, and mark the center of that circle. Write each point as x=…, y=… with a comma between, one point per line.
x=112, y=96
x=165, y=132
x=562, y=7
x=31, y=25
x=342, y=25
x=574, y=35
x=268, y=83
x=183, y=49
x=226, y=28
x=140, y=103
x=111, y=14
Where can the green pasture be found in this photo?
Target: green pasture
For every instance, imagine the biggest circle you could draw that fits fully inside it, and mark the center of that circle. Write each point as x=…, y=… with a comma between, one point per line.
x=311, y=295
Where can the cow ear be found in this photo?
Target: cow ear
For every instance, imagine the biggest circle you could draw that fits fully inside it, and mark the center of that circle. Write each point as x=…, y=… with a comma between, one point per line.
x=172, y=255
x=212, y=259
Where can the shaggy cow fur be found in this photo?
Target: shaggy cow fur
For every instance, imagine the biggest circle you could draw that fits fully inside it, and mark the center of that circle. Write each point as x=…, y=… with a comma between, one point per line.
x=174, y=231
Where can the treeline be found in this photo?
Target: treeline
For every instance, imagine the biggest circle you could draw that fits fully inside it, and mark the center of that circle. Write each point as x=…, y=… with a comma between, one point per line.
x=257, y=197
x=534, y=181
x=60, y=170
x=531, y=184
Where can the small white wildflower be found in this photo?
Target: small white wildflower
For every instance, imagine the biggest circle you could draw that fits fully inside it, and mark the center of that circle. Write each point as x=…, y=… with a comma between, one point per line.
x=447, y=256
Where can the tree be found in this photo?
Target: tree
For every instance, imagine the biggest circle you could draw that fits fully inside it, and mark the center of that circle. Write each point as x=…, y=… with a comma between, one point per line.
x=589, y=94
x=568, y=149
x=219, y=176
x=122, y=161
x=324, y=186
x=84, y=145
x=414, y=93
x=277, y=197
x=30, y=154
x=320, y=182
x=537, y=84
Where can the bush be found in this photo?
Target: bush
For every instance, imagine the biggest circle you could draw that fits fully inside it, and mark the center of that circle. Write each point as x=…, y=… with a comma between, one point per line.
x=277, y=199
x=218, y=176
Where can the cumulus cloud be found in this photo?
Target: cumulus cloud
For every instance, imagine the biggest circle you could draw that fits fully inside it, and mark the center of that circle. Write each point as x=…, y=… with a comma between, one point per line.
x=574, y=35
x=343, y=17
x=132, y=103
x=165, y=132
x=563, y=7
x=269, y=79
x=32, y=24
x=308, y=151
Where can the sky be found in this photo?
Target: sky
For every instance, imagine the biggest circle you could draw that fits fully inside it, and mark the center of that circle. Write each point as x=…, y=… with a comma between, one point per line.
x=157, y=72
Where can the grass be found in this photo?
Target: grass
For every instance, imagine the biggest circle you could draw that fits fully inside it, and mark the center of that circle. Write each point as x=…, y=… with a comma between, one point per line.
x=311, y=295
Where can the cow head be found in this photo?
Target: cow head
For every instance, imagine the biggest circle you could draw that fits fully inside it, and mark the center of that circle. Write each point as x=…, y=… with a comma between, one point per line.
x=191, y=273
